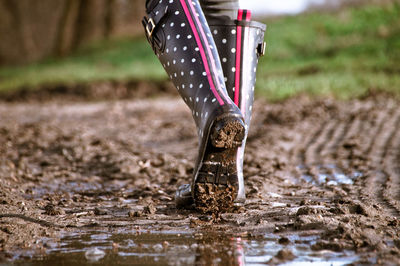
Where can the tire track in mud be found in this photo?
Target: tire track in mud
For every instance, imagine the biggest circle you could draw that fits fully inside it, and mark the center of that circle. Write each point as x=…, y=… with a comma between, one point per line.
x=338, y=136
x=357, y=126
x=375, y=184
x=372, y=136
x=325, y=154
x=327, y=166
x=397, y=171
x=368, y=181
x=325, y=138
x=303, y=151
x=350, y=130
x=349, y=126
x=322, y=142
x=325, y=148
x=377, y=131
x=378, y=156
x=388, y=160
x=330, y=155
x=312, y=139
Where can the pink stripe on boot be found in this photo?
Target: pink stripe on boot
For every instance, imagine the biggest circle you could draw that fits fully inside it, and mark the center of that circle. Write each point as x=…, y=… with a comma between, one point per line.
x=203, y=55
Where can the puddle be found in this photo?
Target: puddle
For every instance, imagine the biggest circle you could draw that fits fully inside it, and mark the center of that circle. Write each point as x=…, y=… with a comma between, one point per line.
x=122, y=247
x=330, y=175
x=101, y=189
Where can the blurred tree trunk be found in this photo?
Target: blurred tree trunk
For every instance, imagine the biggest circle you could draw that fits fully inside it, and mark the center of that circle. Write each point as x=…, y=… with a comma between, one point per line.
x=91, y=21
x=27, y=34
x=24, y=40
x=67, y=27
x=31, y=30
x=111, y=18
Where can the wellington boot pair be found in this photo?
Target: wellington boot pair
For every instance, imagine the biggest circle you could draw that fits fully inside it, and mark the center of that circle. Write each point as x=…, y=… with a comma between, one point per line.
x=191, y=52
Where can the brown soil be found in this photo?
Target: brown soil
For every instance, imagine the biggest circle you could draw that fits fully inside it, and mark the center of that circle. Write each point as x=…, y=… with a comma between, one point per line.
x=94, y=91
x=71, y=165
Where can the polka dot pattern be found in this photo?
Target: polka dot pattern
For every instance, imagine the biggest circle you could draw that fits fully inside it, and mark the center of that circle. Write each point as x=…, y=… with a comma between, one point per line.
x=183, y=60
x=225, y=38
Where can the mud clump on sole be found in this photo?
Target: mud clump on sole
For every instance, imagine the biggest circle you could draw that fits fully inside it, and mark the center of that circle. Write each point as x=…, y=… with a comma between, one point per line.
x=214, y=199
x=216, y=183
x=228, y=133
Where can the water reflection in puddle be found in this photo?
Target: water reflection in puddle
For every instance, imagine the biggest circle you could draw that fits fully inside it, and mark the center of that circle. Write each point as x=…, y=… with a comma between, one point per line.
x=105, y=191
x=182, y=248
x=329, y=174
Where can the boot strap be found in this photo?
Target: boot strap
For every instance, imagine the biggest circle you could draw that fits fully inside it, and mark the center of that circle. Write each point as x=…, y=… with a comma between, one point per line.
x=151, y=24
x=262, y=45
x=261, y=49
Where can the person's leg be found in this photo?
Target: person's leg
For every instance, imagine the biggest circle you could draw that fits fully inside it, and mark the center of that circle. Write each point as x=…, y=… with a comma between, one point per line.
x=220, y=8
x=240, y=42
x=182, y=40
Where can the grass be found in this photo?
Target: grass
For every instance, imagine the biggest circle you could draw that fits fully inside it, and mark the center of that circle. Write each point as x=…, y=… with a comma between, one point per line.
x=343, y=54
x=114, y=60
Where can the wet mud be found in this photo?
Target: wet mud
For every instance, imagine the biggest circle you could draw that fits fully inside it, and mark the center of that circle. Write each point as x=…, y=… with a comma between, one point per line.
x=97, y=180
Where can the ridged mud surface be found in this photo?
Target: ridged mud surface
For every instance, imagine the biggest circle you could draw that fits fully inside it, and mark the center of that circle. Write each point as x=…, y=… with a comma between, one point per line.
x=323, y=169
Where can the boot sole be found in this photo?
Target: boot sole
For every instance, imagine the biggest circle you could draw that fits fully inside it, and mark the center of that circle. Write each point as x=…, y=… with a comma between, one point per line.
x=216, y=185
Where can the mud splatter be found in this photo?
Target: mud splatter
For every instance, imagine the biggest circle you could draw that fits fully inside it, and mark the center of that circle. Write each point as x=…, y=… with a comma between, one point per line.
x=323, y=169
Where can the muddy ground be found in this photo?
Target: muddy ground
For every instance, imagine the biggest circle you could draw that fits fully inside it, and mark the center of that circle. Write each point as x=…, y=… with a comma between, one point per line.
x=312, y=167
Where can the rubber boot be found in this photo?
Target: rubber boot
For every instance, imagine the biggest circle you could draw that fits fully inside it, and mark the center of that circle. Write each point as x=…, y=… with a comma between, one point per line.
x=182, y=40
x=240, y=44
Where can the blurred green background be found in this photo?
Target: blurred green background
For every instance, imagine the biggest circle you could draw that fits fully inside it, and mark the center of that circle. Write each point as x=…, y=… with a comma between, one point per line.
x=341, y=53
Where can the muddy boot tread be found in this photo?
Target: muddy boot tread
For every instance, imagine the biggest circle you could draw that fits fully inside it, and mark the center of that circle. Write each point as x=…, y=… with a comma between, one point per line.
x=216, y=185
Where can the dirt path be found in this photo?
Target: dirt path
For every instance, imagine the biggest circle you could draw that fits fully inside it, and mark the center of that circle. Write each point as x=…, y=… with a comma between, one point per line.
x=313, y=167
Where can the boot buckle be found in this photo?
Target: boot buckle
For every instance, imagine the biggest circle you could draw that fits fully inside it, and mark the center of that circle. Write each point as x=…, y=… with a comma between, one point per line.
x=150, y=27
x=261, y=48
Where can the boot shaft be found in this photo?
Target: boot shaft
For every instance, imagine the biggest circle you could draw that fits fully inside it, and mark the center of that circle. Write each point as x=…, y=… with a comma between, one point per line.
x=240, y=44
x=182, y=40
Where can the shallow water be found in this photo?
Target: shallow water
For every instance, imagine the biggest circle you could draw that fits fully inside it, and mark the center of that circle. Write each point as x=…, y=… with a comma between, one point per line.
x=135, y=247
x=330, y=175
